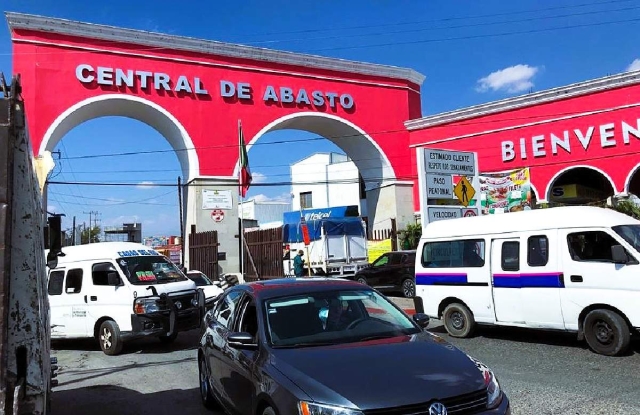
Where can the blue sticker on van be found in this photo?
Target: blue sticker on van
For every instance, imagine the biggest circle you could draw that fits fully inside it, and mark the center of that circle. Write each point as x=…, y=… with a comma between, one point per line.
x=529, y=280
x=441, y=279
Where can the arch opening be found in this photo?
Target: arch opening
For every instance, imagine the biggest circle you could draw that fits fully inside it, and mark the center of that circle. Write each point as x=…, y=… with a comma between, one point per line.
x=135, y=124
x=127, y=106
x=633, y=182
x=580, y=185
x=348, y=173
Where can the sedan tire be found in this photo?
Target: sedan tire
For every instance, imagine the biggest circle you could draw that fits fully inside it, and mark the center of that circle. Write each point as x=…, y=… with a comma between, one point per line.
x=408, y=288
x=362, y=280
x=208, y=400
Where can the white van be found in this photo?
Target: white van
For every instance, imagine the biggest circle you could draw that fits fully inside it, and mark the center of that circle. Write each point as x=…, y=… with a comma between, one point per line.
x=566, y=268
x=116, y=291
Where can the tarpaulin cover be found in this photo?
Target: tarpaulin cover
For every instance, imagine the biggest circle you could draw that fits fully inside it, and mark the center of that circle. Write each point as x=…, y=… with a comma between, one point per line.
x=292, y=229
x=324, y=213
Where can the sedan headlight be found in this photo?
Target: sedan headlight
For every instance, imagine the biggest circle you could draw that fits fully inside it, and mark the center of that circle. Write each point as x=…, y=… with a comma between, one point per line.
x=308, y=408
x=494, y=393
x=146, y=306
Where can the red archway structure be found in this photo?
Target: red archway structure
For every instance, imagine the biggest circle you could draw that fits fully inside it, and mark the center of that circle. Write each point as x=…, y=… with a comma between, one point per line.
x=194, y=92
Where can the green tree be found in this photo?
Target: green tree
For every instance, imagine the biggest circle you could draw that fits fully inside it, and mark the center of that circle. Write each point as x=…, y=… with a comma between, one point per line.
x=90, y=235
x=627, y=207
x=410, y=236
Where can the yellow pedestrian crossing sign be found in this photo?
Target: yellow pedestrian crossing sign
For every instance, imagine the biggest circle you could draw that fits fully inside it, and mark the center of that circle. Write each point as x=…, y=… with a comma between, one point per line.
x=464, y=191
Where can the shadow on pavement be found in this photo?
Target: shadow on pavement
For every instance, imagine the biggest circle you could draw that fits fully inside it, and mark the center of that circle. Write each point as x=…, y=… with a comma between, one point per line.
x=186, y=341
x=116, y=400
x=522, y=335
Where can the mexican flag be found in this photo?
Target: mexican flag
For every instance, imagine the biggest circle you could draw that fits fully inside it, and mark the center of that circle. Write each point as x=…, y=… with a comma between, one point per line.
x=245, y=172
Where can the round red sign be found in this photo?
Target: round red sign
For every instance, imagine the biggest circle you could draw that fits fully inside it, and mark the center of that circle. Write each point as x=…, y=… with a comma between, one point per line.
x=217, y=215
x=469, y=212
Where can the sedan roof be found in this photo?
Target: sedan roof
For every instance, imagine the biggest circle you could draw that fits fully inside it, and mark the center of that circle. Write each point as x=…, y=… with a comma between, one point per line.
x=294, y=286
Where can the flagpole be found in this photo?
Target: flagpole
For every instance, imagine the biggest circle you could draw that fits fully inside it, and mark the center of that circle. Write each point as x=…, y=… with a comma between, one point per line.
x=241, y=205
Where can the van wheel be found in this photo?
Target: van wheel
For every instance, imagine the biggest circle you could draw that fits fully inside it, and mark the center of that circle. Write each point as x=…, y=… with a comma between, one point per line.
x=606, y=332
x=408, y=288
x=109, y=338
x=458, y=320
x=168, y=339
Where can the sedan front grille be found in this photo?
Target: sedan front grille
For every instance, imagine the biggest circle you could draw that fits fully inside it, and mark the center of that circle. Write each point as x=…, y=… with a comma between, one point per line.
x=467, y=404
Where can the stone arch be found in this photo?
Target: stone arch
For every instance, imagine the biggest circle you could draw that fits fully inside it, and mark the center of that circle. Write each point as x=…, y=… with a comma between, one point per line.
x=585, y=175
x=372, y=163
x=128, y=106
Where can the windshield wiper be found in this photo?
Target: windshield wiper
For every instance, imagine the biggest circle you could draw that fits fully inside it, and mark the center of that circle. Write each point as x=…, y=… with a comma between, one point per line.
x=380, y=336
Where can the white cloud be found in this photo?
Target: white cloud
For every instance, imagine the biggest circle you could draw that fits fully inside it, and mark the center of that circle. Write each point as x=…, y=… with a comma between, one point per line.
x=513, y=79
x=145, y=185
x=635, y=66
x=285, y=197
x=258, y=177
x=52, y=208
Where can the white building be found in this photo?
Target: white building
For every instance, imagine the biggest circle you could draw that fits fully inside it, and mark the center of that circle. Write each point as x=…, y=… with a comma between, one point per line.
x=325, y=180
x=266, y=213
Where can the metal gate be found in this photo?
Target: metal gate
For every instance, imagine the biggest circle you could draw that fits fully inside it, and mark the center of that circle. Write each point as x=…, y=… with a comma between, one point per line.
x=264, y=253
x=203, y=252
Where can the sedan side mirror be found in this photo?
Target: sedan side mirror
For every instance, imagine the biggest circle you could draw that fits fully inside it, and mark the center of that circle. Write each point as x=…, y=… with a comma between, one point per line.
x=242, y=341
x=421, y=319
x=619, y=255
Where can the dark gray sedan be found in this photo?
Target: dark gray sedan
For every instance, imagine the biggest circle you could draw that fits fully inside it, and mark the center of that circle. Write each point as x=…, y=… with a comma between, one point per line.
x=317, y=346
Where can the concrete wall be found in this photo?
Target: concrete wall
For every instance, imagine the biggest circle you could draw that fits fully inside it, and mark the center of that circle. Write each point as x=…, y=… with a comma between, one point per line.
x=228, y=228
x=391, y=200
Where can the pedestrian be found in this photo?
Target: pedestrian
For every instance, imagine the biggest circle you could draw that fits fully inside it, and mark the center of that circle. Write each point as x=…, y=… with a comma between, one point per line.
x=298, y=264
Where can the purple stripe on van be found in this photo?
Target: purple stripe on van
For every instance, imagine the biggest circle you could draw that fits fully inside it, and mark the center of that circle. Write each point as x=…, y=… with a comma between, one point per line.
x=529, y=280
x=441, y=279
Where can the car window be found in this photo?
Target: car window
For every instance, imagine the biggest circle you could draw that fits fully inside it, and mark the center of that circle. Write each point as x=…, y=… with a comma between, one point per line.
x=537, y=251
x=591, y=246
x=100, y=273
x=395, y=259
x=453, y=254
x=248, y=317
x=73, y=283
x=510, y=256
x=333, y=317
x=381, y=261
x=224, y=310
x=56, y=280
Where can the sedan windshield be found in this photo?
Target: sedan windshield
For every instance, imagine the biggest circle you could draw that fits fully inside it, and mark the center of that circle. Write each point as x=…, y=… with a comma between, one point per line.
x=199, y=278
x=334, y=317
x=630, y=233
x=150, y=270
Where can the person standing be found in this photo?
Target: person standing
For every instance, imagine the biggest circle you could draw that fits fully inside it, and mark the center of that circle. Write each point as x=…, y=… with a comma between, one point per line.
x=298, y=264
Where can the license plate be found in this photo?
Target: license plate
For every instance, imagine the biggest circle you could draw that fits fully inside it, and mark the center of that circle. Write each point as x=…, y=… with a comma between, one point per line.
x=350, y=268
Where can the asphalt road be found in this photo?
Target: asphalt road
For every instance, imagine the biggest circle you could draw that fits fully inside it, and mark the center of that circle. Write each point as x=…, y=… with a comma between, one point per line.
x=543, y=373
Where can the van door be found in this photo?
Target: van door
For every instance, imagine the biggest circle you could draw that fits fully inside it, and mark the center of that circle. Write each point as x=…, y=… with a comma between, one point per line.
x=541, y=280
x=56, y=303
x=108, y=296
x=591, y=276
x=68, y=310
x=505, y=276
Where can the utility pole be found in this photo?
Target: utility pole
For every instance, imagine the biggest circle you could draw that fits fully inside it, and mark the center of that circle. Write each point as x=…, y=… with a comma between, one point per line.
x=90, y=213
x=73, y=232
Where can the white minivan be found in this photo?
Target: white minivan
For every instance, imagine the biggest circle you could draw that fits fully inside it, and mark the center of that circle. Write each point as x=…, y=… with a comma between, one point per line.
x=566, y=268
x=116, y=291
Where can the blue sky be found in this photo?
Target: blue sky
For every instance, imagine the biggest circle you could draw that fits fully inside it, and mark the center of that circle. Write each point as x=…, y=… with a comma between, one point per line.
x=470, y=51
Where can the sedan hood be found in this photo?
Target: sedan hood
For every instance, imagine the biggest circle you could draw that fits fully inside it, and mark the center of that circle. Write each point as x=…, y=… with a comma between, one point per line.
x=387, y=373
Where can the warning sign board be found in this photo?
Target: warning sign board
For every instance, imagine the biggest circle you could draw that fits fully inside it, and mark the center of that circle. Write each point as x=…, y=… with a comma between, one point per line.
x=464, y=191
x=217, y=215
x=467, y=213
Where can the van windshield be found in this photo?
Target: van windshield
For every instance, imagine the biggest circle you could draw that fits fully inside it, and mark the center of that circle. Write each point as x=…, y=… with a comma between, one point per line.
x=630, y=233
x=150, y=270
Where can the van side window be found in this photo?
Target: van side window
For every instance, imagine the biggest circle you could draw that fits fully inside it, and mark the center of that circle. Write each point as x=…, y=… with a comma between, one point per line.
x=591, y=246
x=511, y=256
x=74, y=281
x=99, y=273
x=453, y=254
x=56, y=278
x=537, y=251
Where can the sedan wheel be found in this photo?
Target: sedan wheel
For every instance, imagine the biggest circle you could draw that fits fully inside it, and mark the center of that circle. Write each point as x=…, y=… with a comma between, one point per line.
x=205, y=391
x=362, y=280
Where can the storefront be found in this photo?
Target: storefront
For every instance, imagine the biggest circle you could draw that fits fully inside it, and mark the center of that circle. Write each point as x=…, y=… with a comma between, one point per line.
x=577, y=144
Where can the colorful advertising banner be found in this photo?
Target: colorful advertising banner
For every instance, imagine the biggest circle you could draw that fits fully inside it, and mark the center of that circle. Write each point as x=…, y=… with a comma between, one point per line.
x=377, y=248
x=505, y=192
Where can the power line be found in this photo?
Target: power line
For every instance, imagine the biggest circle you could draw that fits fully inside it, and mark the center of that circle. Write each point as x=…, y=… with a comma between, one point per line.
x=482, y=24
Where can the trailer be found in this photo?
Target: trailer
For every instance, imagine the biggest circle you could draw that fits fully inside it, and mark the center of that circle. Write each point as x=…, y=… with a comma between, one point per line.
x=27, y=370
x=337, y=241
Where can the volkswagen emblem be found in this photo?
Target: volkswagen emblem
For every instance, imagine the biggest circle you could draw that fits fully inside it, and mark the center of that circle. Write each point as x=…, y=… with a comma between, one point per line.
x=437, y=408
x=179, y=306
